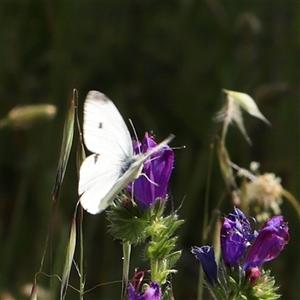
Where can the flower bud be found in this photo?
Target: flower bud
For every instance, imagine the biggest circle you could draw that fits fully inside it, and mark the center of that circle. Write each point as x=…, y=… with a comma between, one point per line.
x=269, y=243
x=206, y=255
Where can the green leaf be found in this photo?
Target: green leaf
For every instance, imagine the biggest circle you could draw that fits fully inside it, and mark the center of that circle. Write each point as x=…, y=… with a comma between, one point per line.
x=127, y=222
x=172, y=258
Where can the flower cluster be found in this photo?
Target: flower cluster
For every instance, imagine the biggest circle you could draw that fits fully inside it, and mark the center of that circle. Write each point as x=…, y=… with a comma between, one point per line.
x=262, y=193
x=142, y=221
x=149, y=291
x=244, y=251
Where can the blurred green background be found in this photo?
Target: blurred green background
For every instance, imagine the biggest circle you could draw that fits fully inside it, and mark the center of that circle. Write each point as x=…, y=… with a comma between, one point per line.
x=164, y=64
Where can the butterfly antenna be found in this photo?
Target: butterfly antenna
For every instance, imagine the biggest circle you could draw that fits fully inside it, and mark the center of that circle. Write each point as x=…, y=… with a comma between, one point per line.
x=134, y=132
x=178, y=148
x=159, y=146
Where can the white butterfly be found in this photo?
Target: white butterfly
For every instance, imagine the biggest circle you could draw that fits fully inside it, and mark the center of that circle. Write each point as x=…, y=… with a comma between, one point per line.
x=113, y=165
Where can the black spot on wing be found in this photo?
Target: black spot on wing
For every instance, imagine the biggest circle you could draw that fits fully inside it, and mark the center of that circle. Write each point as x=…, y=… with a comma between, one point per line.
x=100, y=125
x=96, y=157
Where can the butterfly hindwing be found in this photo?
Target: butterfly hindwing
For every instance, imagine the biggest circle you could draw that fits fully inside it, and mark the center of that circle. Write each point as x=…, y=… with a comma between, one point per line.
x=98, y=174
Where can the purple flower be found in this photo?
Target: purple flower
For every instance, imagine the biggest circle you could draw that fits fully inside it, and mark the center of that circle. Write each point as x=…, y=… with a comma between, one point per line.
x=270, y=241
x=153, y=182
x=152, y=292
x=236, y=234
x=206, y=255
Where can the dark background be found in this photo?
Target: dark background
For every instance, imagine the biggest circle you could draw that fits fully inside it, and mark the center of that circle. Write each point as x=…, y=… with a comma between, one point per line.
x=164, y=64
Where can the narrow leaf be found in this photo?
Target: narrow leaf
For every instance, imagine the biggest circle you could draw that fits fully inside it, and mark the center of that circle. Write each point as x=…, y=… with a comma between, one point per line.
x=172, y=258
x=63, y=159
x=65, y=147
x=69, y=259
x=247, y=103
x=80, y=155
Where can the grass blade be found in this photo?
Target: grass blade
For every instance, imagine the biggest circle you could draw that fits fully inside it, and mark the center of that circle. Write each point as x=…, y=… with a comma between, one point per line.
x=80, y=157
x=66, y=145
x=69, y=259
x=63, y=159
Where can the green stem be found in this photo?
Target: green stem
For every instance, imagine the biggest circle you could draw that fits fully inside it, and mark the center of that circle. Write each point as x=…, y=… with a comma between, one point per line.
x=205, y=220
x=81, y=254
x=200, y=284
x=154, y=270
x=126, y=263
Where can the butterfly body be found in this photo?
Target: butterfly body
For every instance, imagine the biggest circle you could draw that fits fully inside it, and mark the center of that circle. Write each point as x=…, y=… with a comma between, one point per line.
x=113, y=164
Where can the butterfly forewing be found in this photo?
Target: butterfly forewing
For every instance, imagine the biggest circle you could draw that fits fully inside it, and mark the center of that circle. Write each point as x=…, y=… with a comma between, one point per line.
x=104, y=130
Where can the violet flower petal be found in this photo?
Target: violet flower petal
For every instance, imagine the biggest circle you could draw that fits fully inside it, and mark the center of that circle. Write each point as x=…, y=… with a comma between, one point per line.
x=242, y=224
